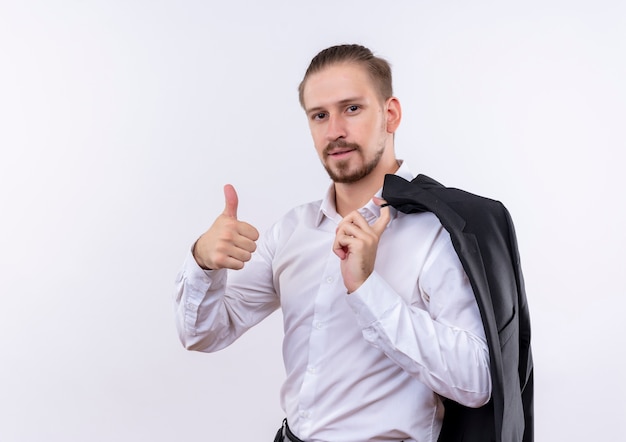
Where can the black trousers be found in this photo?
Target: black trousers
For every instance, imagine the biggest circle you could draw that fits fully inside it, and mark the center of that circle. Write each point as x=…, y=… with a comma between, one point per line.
x=285, y=435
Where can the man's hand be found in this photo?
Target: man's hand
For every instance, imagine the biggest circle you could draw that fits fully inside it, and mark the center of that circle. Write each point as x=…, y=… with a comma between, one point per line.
x=228, y=243
x=356, y=243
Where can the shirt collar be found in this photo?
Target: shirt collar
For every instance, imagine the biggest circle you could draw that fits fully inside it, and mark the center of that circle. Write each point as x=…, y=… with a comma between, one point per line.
x=370, y=211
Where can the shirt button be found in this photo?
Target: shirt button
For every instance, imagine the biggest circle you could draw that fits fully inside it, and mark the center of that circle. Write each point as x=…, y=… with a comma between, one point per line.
x=312, y=370
x=305, y=414
x=329, y=279
x=318, y=325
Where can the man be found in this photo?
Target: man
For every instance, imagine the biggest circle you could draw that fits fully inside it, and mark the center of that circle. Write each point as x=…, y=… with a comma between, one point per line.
x=382, y=327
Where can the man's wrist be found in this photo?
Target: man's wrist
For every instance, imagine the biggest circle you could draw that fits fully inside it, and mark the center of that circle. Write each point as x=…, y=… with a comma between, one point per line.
x=195, y=257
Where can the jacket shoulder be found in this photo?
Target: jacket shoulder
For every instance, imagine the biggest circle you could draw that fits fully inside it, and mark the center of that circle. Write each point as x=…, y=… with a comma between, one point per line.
x=465, y=203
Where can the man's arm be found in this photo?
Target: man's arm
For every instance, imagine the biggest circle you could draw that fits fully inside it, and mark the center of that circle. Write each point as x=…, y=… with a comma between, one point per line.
x=211, y=314
x=443, y=345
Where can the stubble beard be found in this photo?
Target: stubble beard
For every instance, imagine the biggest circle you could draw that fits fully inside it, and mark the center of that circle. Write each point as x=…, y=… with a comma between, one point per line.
x=341, y=172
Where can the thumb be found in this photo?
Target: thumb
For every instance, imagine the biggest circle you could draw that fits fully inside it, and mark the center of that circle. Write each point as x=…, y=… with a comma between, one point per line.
x=232, y=201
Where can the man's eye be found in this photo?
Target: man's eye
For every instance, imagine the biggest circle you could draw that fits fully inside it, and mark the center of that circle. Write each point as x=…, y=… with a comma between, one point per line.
x=319, y=116
x=353, y=108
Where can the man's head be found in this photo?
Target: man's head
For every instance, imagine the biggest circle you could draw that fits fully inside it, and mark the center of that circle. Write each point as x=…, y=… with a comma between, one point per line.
x=347, y=97
x=377, y=68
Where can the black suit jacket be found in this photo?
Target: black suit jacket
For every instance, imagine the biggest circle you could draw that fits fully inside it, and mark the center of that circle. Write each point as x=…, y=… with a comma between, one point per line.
x=483, y=236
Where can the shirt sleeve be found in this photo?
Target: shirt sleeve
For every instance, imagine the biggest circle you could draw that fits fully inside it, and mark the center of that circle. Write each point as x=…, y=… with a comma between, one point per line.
x=438, y=337
x=215, y=307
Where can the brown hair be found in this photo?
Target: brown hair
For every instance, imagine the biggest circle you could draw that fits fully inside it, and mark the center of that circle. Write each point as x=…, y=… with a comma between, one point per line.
x=378, y=68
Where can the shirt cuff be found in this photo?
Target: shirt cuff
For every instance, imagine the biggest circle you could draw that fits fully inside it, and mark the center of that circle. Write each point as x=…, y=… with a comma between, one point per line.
x=198, y=278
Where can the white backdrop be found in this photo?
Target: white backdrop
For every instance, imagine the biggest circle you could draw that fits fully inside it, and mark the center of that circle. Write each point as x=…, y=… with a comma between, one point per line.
x=120, y=121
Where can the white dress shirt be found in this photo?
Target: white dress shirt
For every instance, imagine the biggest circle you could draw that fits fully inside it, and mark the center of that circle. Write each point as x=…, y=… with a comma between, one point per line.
x=369, y=366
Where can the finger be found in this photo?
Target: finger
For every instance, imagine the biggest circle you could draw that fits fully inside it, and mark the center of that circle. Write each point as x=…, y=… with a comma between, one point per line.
x=350, y=229
x=354, y=219
x=381, y=223
x=244, y=243
x=232, y=201
x=231, y=255
x=379, y=201
x=228, y=262
x=247, y=230
x=341, y=253
x=341, y=245
x=240, y=254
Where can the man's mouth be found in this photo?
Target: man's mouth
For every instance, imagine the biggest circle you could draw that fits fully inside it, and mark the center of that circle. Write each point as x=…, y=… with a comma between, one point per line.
x=342, y=152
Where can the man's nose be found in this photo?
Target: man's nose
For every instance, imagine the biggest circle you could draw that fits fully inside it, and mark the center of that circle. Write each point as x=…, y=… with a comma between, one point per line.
x=336, y=128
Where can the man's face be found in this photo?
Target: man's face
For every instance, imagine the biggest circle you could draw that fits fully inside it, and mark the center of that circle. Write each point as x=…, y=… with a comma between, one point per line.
x=347, y=119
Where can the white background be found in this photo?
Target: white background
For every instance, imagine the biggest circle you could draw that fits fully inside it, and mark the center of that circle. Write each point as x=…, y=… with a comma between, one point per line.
x=120, y=121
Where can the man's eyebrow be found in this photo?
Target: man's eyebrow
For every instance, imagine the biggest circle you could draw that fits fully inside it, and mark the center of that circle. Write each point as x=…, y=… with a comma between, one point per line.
x=343, y=102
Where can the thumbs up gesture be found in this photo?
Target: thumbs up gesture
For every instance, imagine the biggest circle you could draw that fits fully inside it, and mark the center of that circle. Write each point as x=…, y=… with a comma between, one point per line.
x=229, y=243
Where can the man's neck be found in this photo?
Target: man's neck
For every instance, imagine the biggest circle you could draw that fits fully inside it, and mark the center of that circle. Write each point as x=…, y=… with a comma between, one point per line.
x=352, y=196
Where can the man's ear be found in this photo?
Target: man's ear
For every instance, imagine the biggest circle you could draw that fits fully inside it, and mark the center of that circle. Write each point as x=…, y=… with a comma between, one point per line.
x=394, y=114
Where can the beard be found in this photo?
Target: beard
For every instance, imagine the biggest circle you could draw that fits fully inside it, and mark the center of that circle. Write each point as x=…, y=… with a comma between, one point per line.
x=341, y=172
